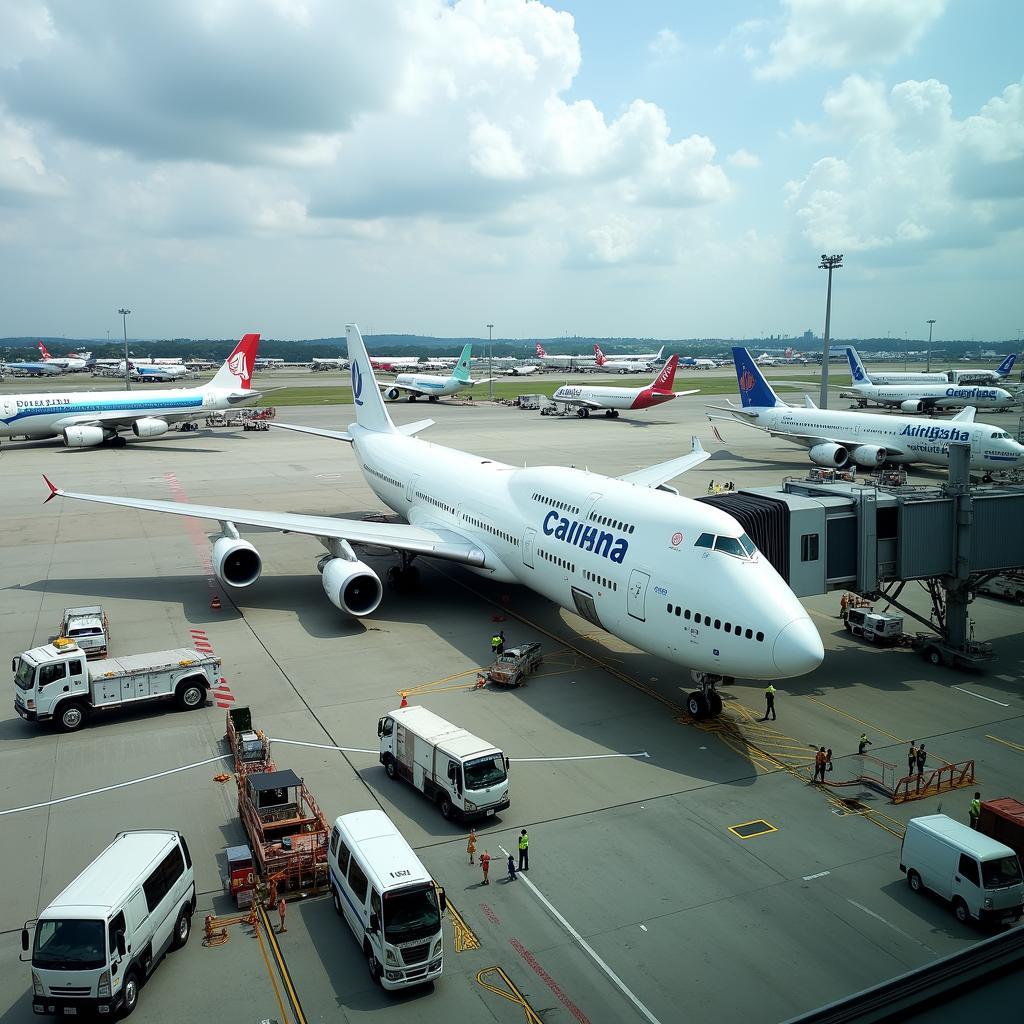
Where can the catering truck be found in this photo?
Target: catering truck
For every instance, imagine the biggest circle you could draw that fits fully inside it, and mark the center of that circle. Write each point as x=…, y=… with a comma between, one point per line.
x=467, y=777
x=55, y=683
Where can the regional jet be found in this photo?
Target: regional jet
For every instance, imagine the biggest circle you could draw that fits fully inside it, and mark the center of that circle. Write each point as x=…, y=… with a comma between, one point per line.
x=425, y=385
x=672, y=576
x=594, y=398
x=88, y=418
x=835, y=438
x=923, y=397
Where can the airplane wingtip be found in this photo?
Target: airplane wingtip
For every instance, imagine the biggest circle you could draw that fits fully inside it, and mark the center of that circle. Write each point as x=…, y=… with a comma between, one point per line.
x=54, y=491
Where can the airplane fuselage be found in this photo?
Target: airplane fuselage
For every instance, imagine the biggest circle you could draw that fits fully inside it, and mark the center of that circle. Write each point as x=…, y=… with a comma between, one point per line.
x=938, y=396
x=610, y=397
x=620, y=555
x=432, y=384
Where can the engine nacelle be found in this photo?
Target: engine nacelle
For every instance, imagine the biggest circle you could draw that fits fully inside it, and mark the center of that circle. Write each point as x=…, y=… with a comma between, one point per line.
x=912, y=406
x=392, y=393
x=829, y=454
x=236, y=562
x=868, y=455
x=149, y=426
x=84, y=437
x=352, y=586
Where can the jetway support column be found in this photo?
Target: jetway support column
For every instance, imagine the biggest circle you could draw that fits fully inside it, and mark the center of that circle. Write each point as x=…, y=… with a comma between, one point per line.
x=959, y=489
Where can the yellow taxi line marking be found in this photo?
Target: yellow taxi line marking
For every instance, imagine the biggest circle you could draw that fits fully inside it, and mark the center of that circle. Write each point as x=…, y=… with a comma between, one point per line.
x=282, y=967
x=1006, y=743
x=270, y=972
x=513, y=995
x=465, y=937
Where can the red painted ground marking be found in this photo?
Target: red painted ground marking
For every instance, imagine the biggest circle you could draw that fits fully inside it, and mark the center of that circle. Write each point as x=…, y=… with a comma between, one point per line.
x=550, y=982
x=489, y=914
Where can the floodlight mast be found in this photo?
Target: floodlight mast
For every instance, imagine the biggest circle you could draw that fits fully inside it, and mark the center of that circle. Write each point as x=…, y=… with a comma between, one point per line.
x=828, y=263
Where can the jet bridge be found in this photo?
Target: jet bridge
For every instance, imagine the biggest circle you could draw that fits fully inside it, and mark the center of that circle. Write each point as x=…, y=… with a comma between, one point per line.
x=871, y=539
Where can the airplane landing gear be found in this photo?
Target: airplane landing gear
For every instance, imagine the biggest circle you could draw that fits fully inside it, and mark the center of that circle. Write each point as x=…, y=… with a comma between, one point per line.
x=583, y=412
x=117, y=441
x=612, y=413
x=705, y=702
x=404, y=578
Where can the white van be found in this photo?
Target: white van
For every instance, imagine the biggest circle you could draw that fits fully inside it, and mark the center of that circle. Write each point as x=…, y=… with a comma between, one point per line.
x=978, y=875
x=98, y=941
x=388, y=899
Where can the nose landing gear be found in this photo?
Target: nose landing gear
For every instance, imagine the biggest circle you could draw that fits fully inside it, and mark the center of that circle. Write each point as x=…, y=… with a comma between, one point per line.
x=705, y=702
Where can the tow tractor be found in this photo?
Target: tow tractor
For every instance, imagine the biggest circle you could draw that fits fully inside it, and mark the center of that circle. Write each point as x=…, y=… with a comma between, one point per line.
x=514, y=664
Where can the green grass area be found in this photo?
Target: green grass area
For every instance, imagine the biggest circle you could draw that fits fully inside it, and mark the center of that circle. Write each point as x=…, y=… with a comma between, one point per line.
x=511, y=388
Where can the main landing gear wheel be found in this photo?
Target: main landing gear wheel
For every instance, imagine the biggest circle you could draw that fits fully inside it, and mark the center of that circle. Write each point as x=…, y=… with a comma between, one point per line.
x=117, y=441
x=412, y=398
x=582, y=412
x=432, y=398
x=705, y=702
x=403, y=578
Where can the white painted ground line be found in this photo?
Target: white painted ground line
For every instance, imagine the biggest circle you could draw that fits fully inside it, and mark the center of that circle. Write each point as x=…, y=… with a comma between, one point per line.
x=820, y=874
x=971, y=693
x=518, y=760
x=586, y=947
x=889, y=924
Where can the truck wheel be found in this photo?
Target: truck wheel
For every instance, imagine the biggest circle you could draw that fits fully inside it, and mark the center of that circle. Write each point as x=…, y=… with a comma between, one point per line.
x=182, y=929
x=373, y=965
x=960, y=911
x=914, y=881
x=447, y=811
x=130, y=993
x=933, y=655
x=72, y=716
x=389, y=767
x=190, y=694
x=337, y=902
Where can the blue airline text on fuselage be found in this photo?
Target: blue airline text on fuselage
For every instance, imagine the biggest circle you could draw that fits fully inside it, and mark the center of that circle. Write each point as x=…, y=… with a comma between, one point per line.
x=970, y=393
x=938, y=433
x=589, y=538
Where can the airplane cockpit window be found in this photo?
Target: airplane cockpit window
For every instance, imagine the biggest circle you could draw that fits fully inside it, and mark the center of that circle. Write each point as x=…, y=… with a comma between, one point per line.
x=730, y=545
x=705, y=540
x=748, y=545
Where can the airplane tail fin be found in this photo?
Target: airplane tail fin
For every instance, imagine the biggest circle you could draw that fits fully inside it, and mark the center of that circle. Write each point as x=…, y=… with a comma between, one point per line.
x=599, y=356
x=462, y=367
x=1003, y=369
x=858, y=372
x=42, y=351
x=667, y=377
x=541, y=354
x=371, y=412
x=236, y=370
x=754, y=389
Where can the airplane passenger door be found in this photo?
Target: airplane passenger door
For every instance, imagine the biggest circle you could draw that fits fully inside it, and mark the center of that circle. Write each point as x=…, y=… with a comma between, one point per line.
x=528, y=539
x=585, y=606
x=410, y=488
x=8, y=408
x=636, y=594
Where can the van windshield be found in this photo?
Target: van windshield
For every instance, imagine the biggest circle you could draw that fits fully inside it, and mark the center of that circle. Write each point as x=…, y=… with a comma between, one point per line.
x=997, y=873
x=74, y=945
x=411, y=914
x=484, y=772
x=24, y=676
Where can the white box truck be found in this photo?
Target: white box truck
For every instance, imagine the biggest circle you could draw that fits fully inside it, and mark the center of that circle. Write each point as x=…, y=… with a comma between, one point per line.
x=88, y=627
x=56, y=683
x=979, y=876
x=107, y=931
x=388, y=898
x=467, y=777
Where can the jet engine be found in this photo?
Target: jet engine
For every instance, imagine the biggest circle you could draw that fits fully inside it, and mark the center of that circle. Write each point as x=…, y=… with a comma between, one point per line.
x=149, y=426
x=829, y=454
x=84, y=437
x=351, y=586
x=392, y=393
x=236, y=562
x=868, y=455
x=912, y=406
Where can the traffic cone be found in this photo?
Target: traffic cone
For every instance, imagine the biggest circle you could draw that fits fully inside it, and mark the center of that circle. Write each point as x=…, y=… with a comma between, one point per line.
x=215, y=602
x=405, y=702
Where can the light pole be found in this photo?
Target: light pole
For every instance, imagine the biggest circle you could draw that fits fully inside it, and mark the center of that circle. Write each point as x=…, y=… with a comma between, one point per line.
x=928, y=364
x=490, y=380
x=828, y=263
x=124, y=314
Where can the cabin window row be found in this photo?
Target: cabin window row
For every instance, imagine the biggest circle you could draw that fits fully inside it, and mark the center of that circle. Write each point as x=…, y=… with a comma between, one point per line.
x=436, y=502
x=163, y=877
x=562, y=506
x=602, y=581
x=730, y=627
x=382, y=476
x=615, y=524
x=562, y=563
x=480, y=524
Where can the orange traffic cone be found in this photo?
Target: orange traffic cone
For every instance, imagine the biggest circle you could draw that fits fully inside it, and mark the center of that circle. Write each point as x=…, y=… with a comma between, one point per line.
x=215, y=602
x=405, y=702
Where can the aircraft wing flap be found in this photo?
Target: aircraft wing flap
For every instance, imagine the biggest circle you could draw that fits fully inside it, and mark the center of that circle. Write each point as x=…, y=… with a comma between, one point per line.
x=397, y=536
x=334, y=435
x=655, y=476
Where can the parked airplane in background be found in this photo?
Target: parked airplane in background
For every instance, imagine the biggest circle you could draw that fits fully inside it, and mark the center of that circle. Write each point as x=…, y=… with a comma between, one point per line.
x=523, y=370
x=835, y=438
x=320, y=363
x=647, y=359
x=924, y=397
x=698, y=364
x=765, y=360
x=564, y=362
x=1001, y=372
x=674, y=577
x=393, y=364
x=72, y=362
x=157, y=371
x=418, y=385
x=43, y=369
x=594, y=398
x=89, y=418
x=618, y=365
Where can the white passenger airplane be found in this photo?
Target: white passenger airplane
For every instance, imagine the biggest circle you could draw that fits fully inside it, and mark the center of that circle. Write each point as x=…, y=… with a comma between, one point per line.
x=157, y=372
x=647, y=358
x=673, y=576
x=73, y=362
x=593, y=398
x=564, y=362
x=88, y=418
x=834, y=438
x=426, y=385
x=619, y=364
x=923, y=397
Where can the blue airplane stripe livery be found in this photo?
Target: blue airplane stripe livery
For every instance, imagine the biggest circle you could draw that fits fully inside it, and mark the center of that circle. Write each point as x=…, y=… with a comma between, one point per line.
x=754, y=389
x=50, y=407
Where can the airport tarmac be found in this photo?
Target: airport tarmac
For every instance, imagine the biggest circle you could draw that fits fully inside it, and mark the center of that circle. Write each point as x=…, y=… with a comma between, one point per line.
x=640, y=904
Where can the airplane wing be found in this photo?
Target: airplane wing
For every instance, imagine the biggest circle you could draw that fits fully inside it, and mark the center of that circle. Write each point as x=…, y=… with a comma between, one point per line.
x=681, y=394
x=409, y=429
x=115, y=418
x=588, y=403
x=807, y=440
x=386, y=385
x=965, y=415
x=419, y=540
x=655, y=476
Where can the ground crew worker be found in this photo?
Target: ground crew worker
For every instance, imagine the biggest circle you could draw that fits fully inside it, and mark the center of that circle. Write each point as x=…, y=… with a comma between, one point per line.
x=495, y=645
x=843, y=602
x=975, y=811
x=282, y=908
x=864, y=742
x=922, y=759
x=912, y=757
x=471, y=845
x=828, y=761
x=819, y=764
x=485, y=863
x=769, y=703
x=511, y=869
x=524, y=850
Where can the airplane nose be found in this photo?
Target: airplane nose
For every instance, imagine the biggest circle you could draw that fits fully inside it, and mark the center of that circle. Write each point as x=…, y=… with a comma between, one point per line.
x=798, y=649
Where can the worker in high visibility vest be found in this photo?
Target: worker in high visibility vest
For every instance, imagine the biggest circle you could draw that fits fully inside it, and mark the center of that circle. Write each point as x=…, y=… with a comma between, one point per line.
x=524, y=850
x=975, y=811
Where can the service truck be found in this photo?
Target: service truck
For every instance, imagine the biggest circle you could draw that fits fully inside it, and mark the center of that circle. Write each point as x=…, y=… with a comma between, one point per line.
x=467, y=777
x=88, y=627
x=55, y=683
x=1009, y=585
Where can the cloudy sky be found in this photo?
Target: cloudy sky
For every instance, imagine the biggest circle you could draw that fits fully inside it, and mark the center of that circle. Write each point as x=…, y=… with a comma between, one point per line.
x=655, y=169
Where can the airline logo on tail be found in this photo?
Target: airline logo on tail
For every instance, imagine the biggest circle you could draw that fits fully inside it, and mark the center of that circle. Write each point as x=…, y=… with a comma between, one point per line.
x=856, y=370
x=664, y=380
x=357, y=383
x=1004, y=367
x=747, y=382
x=599, y=356
x=46, y=355
x=240, y=362
x=541, y=354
